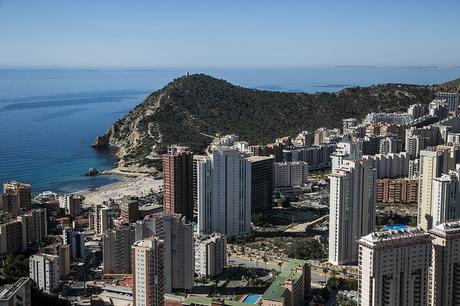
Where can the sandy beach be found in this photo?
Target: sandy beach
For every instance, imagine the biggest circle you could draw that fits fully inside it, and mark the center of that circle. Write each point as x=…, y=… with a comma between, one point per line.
x=131, y=184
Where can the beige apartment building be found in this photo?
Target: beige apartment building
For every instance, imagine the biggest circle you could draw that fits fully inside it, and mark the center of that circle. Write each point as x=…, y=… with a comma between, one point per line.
x=444, y=276
x=20, y=194
x=393, y=268
x=10, y=237
x=27, y=230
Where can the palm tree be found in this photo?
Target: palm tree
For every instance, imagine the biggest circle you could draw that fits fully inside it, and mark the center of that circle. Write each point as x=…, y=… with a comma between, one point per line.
x=265, y=259
x=280, y=264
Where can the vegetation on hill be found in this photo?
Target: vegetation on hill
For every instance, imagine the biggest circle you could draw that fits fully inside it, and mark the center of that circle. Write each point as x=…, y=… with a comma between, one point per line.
x=195, y=104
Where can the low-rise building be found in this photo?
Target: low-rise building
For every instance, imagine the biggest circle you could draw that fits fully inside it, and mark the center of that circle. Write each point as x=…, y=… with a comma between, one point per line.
x=198, y=300
x=404, y=191
x=291, y=287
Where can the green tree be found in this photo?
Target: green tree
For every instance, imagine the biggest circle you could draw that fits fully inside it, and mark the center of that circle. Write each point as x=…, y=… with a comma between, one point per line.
x=15, y=267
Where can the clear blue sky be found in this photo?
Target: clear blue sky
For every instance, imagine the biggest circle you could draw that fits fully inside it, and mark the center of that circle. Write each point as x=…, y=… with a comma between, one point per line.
x=232, y=33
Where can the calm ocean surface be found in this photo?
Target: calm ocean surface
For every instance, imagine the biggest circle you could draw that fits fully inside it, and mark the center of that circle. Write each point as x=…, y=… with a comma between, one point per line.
x=49, y=118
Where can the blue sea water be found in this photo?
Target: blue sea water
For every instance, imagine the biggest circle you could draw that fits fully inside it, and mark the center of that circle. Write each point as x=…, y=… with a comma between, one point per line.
x=49, y=117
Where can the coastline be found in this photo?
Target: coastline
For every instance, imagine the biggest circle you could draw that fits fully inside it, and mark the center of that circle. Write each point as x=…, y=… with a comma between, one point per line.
x=131, y=184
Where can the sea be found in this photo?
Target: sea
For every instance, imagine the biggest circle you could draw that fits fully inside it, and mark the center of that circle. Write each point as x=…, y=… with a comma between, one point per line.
x=50, y=117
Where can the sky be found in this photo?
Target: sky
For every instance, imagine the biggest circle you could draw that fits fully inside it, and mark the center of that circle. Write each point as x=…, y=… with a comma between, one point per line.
x=232, y=33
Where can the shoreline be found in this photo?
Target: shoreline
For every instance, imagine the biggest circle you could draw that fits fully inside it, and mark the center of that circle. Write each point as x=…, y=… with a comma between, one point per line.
x=131, y=184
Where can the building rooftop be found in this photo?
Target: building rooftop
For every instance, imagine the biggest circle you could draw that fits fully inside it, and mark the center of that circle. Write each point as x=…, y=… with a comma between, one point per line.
x=259, y=158
x=277, y=290
x=208, y=237
x=204, y=300
x=8, y=290
x=393, y=235
x=147, y=242
x=47, y=256
x=446, y=228
x=14, y=184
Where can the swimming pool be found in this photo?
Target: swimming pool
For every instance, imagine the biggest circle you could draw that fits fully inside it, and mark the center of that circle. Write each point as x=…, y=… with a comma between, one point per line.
x=252, y=299
x=392, y=227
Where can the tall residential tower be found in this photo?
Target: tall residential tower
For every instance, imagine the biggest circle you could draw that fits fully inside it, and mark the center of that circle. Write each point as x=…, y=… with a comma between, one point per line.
x=223, y=191
x=352, y=209
x=178, y=182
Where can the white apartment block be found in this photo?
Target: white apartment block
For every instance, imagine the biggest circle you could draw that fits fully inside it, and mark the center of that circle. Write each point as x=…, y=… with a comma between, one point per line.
x=433, y=164
x=351, y=209
x=44, y=269
x=416, y=110
x=393, y=118
x=346, y=150
x=290, y=174
x=444, y=276
x=210, y=254
x=446, y=198
x=392, y=165
x=223, y=192
x=393, y=268
x=451, y=99
x=148, y=272
x=348, y=124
